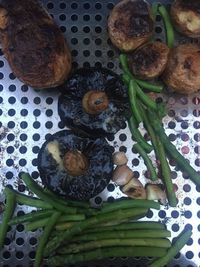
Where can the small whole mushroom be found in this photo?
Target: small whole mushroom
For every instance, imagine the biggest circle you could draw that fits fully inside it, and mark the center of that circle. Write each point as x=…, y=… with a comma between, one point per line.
x=122, y=175
x=120, y=158
x=154, y=192
x=134, y=189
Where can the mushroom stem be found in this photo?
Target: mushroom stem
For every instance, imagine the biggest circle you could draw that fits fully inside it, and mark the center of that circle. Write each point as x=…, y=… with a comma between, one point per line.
x=94, y=102
x=75, y=162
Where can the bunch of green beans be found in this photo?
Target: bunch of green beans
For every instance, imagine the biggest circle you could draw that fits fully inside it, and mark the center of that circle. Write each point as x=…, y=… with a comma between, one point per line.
x=110, y=231
x=145, y=110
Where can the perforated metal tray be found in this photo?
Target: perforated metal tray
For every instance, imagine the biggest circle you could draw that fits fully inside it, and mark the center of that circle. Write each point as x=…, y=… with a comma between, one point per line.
x=27, y=118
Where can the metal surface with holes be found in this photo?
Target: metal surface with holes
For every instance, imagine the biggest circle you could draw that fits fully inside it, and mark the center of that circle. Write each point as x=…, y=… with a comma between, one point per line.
x=27, y=117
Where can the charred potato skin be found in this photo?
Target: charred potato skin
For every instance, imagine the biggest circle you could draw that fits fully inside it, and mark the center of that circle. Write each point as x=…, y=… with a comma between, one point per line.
x=130, y=24
x=33, y=44
x=182, y=73
x=149, y=61
x=186, y=17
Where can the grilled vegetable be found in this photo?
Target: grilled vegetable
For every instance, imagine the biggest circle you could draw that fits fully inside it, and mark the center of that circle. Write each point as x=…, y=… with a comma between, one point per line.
x=182, y=73
x=94, y=101
x=74, y=166
x=186, y=17
x=130, y=24
x=149, y=61
x=33, y=44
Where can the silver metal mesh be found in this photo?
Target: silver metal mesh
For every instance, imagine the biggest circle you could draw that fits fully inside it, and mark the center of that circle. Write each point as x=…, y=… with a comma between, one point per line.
x=27, y=117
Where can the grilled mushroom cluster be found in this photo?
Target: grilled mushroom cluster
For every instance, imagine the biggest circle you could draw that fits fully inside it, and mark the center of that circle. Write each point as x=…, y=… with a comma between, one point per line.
x=186, y=17
x=130, y=24
x=94, y=101
x=74, y=166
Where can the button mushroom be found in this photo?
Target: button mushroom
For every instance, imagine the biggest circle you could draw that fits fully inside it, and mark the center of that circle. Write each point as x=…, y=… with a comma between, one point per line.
x=154, y=192
x=134, y=189
x=122, y=175
x=119, y=158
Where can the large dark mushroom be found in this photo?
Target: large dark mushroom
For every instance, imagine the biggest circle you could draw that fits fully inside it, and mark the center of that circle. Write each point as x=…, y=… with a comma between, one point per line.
x=130, y=24
x=95, y=101
x=74, y=166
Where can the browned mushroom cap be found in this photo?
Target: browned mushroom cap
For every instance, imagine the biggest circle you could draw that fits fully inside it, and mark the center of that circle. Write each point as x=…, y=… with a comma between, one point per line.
x=182, y=73
x=186, y=17
x=130, y=24
x=150, y=60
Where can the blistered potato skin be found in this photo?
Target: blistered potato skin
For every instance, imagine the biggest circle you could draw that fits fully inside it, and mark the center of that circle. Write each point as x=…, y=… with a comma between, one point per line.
x=186, y=17
x=130, y=24
x=33, y=44
x=182, y=73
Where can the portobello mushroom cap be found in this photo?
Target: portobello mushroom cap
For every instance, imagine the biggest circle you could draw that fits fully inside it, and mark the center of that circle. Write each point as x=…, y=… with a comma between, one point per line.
x=185, y=16
x=74, y=166
x=182, y=73
x=130, y=24
x=94, y=101
x=33, y=44
x=149, y=61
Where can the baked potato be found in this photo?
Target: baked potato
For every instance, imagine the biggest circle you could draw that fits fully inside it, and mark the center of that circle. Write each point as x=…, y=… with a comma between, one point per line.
x=182, y=73
x=186, y=17
x=130, y=24
x=149, y=61
x=33, y=44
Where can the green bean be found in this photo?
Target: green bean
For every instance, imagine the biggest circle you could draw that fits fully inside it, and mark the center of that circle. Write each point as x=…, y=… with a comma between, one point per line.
x=9, y=209
x=138, y=225
x=141, y=95
x=173, y=250
x=44, y=238
x=154, y=9
x=115, y=242
x=30, y=201
x=147, y=161
x=104, y=253
x=63, y=220
x=168, y=25
x=32, y=216
x=147, y=101
x=72, y=203
x=54, y=243
x=35, y=188
x=133, y=101
x=166, y=174
x=139, y=233
x=143, y=84
x=172, y=150
x=129, y=203
x=137, y=136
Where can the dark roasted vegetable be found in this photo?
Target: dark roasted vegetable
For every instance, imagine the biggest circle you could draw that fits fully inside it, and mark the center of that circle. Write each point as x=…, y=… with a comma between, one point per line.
x=186, y=17
x=74, y=166
x=33, y=44
x=95, y=101
x=130, y=24
x=182, y=73
x=149, y=61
